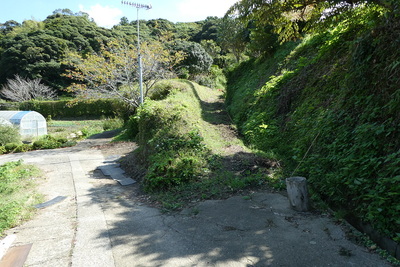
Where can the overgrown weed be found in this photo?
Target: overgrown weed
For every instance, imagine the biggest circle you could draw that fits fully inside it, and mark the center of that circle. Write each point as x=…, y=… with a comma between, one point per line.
x=17, y=193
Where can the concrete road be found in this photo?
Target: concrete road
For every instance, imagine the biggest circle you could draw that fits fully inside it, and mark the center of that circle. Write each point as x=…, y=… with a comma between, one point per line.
x=101, y=223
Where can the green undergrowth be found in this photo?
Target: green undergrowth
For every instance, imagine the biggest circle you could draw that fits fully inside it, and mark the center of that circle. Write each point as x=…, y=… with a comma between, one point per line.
x=182, y=147
x=61, y=133
x=329, y=107
x=17, y=193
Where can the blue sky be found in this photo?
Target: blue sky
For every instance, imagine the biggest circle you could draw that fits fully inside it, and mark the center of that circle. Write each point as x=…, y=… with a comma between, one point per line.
x=107, y=13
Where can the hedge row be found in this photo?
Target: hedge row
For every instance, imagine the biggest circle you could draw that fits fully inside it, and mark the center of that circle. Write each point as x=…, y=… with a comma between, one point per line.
x=66, y=108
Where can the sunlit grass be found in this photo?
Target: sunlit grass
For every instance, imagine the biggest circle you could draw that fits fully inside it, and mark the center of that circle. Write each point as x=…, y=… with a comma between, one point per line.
x=65, y=128
x=18, y=193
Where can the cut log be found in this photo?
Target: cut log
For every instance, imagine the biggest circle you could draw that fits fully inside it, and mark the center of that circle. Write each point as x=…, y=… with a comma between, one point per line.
x=298, y=193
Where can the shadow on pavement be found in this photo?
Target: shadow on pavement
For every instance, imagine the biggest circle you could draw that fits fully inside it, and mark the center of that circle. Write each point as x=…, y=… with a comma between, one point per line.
x=259, y=230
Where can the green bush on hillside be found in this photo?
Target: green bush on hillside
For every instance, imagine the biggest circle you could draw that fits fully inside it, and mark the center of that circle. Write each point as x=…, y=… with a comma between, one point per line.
x=169, y=141
x=330, y=109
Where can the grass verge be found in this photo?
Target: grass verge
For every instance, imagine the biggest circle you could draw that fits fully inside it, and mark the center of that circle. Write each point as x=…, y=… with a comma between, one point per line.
x=17, y=193
x=70, y=127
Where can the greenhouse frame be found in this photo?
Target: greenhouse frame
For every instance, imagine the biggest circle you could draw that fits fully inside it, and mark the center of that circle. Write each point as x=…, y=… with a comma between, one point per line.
x=29, y=123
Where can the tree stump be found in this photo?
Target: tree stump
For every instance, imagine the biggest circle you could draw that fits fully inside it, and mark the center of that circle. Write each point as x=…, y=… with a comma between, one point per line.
x=298, y=193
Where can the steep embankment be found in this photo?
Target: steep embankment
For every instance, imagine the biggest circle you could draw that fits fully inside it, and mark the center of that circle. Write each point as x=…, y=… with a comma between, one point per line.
x=190, y=148
x=329, y=108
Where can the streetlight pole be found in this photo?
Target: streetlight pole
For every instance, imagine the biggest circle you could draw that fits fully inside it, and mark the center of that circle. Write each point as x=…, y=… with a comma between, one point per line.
x=138, y=6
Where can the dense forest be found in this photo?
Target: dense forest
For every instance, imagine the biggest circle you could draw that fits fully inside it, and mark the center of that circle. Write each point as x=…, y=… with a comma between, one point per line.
x=37, y=49
x=312, y=84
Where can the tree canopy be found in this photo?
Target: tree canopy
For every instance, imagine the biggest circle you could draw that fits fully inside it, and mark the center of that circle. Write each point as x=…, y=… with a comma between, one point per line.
x=291, y=18
x=36, y=49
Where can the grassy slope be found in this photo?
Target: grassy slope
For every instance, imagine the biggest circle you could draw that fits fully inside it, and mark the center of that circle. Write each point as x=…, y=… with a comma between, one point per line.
x=330, y=110
x=191, y=149
x=211, y=111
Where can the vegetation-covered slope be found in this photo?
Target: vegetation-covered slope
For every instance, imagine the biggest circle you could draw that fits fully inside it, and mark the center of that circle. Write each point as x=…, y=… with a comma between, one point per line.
x=189, y=148
x=329, y=108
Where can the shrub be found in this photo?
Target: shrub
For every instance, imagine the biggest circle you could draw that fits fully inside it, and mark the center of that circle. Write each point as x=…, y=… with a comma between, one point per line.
x=214, y=79
x=23, y=148
x=39, y=144
x=178, y=159
x=197, y=60
x=10, y=147
x=9, y=134
x=162, y=89
x=50, y=142
x=169, y=141
x=171, y=170
x=132, y=127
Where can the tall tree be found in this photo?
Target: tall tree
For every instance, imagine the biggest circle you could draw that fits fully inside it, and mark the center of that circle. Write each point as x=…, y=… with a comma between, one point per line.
x=233, y=36
x=208, y=31
x=32, y=55
x=35, y=49
x=113, y=71
x=197, y=60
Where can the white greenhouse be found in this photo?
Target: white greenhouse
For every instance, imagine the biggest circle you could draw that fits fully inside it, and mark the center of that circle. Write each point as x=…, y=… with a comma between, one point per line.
x=29, y=123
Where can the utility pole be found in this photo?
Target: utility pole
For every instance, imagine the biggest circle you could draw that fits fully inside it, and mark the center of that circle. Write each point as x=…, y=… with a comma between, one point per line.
x=147, y=7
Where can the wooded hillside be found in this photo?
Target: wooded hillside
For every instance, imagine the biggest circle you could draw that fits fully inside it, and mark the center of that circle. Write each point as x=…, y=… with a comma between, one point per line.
x=328, y=107
x=39, y=49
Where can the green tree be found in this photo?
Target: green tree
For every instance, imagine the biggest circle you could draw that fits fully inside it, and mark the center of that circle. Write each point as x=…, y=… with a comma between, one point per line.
x=197, y=60
x=159, y=27
x=290, y=19
x=233, y=36
x=8, y=26
x=35, y=49
x=209, y=30
x=32, y=55
x=113, y=71
x=262, y=41
x=82, y=34
x=124, y=21
x=187, y=30
x=211, y=47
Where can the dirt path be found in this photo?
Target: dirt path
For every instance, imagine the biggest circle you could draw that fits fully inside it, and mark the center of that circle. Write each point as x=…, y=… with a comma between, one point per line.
x=101, y=223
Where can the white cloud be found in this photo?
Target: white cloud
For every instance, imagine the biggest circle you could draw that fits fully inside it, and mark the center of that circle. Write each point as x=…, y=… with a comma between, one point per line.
x=204, y=8
x=104, y=16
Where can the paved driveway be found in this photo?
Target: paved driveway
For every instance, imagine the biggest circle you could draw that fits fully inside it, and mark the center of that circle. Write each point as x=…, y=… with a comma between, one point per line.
x=101, y=223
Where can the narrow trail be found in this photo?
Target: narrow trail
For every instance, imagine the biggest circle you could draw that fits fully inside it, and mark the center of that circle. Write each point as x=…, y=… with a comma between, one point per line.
x=101, y=223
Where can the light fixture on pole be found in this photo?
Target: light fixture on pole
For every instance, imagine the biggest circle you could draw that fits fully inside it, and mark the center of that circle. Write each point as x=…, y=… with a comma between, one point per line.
x=138, y=6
